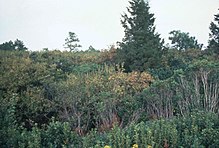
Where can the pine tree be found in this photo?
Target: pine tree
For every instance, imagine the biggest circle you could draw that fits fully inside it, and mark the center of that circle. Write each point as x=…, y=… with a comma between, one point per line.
x=19, y=45
x=71, y=42
x=141, y=47
x=214, y=35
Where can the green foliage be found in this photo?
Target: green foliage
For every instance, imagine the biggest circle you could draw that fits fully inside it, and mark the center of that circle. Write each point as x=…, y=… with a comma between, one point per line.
x=174, y=59
x=71, y=42
x=101, y=98
x=19, y=45
x=91, y=49
x=182, y=41
x=194, y=128
x=198, y=129
x=8, y=123
x=10, y=46
x=22, y=76
x=141, y=47
x=85, y=68
x=195, y=87
x=109, y=56
x=190, y=131
x=59, y=135
x=78, y=99
x=7, y=46
x=214, y=35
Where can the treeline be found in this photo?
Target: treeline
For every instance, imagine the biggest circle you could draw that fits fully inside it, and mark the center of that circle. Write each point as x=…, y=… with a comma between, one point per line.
x=141, y=93
x=43, y=91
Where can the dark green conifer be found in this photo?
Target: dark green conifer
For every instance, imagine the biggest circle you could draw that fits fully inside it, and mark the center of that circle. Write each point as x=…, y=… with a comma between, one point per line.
x=214, y=36
x=141, y=47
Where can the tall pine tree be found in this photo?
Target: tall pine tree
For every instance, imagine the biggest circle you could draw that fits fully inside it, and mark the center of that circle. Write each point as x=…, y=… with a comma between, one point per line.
x=214, y=35
x=141, y=47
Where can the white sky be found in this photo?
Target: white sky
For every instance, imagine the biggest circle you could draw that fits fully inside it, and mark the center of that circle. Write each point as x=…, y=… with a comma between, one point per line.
x=46, y=23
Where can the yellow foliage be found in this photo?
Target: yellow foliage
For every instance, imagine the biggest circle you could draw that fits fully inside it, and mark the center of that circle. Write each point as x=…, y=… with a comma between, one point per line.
x=135, y=146
x=130, y=82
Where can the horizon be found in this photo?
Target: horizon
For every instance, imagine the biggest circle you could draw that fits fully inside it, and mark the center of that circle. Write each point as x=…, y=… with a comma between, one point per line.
x=45, y=24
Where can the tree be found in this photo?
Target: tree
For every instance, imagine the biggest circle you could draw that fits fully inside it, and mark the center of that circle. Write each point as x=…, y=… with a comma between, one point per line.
x=91, y=48
x=214, y=35
x=7, y=46
x=71, y=42
x=141, y=47
x=16, y=45
x=183, y=41
x=19, y=45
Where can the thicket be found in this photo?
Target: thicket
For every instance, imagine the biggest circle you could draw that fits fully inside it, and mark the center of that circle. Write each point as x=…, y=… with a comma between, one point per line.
x=84, y=99
x=138, y=95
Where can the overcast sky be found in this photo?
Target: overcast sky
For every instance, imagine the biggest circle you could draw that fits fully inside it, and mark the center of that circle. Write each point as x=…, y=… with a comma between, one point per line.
x=46, y=23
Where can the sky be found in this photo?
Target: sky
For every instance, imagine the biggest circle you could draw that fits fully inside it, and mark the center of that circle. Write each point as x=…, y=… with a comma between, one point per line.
x=46, y=23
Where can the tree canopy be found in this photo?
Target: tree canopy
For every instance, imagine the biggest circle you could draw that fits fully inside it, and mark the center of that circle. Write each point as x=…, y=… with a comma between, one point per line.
x=214, y=35
x=183, y=41
x=71, y=42
x=16, y=45
x=82, y=99
x=141, y=47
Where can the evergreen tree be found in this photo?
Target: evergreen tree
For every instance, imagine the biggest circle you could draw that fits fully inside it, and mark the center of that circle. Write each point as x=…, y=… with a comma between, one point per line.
x=16, y=45
x=71, y=42
x=141, y=47
x=19, y=45
x=214, y=35
x=183, y=41
x=7, y=46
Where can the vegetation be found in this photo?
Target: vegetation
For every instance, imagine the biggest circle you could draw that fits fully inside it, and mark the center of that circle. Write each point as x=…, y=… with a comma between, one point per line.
x=141, y=47
x=214, y=39
x=182, y=41
x=116, y=98
x=16, y=45
x=71, y=42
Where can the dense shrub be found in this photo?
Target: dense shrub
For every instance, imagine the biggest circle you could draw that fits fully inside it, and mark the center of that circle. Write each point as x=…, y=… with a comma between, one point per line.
x=62, y=99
